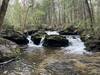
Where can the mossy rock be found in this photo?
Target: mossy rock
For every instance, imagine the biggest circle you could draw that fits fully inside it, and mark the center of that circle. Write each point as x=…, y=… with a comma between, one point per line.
x=8, y=49
x=55, y=41
x=93, y=45
x=36, y=38
x=71, y=30
x=30, y=32
x=14, y=36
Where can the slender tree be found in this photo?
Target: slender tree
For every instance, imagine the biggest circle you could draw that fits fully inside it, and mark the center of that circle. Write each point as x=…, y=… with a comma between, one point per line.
x=3, y=10
x=90, y=14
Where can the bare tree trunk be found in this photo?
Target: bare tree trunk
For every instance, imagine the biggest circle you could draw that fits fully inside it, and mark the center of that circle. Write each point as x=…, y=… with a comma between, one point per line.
x=26, y=15
x=3, y=10
x=64, y=13
x=90, y=15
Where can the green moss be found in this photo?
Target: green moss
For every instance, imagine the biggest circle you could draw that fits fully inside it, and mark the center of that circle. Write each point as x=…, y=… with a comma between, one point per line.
x=55, y=37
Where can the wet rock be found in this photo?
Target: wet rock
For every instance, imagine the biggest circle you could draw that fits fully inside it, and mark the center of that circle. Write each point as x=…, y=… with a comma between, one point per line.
x=85, y=37
x=8, y=50
x=55, y=41
x=69, y=31
x=53, y=65
x=61, y=64
x=30, y=32
x=36, y=38
x=92, y=42
x=60, y=68
x=14, y=36
x=93, y=45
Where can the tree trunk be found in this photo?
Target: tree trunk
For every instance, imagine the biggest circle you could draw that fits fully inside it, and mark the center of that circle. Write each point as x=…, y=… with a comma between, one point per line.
x=90, y=15
x=3, y=10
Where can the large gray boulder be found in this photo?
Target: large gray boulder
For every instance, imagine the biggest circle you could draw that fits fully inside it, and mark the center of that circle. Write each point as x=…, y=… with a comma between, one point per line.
x=8, y=50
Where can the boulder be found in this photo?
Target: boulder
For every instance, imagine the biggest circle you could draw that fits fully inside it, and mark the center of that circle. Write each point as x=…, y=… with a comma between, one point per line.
x=69, y=31
x=14, y=36
x=55, y=41
x=30, y=32
x=93, y=45
x=8, y=50
x=65, y=32
x=91, y=42
x=36, y=38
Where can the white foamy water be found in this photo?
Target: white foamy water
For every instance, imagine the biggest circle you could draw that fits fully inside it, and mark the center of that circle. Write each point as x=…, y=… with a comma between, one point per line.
x=52, y=32
x=41, y=42
x=31, y=43
x=76, y=45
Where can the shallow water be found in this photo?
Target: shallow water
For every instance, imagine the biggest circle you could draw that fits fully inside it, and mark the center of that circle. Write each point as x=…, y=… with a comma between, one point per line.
x=27, y=62
x=35, y=54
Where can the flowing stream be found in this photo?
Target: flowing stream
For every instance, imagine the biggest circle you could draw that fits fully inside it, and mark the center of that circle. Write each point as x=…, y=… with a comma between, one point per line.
x=76, y=44
x=34, y=54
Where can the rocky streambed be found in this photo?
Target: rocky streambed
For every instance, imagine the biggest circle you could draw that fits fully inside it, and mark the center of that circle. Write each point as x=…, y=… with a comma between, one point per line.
x=46, y=53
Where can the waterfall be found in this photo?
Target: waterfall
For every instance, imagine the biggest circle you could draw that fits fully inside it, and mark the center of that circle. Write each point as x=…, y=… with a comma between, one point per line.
x=76, y=45
x=41, y=42
x=31, y=43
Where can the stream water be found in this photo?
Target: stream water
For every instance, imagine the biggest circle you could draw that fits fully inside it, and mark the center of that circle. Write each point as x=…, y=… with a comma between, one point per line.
x=34, y=54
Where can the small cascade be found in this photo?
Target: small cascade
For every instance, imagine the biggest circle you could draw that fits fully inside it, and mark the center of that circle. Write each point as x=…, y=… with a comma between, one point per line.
x=31, y=43
x=41, y=42
x=76, y=45
x=52, y=32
